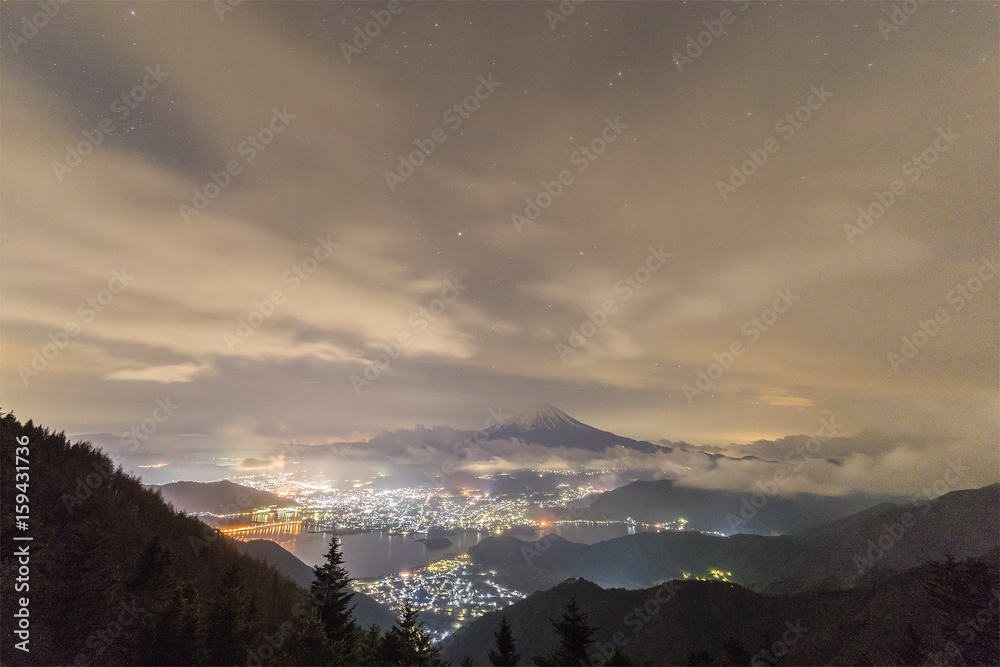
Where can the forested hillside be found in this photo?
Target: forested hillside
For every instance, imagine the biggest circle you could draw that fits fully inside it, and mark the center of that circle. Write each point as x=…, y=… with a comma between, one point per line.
x=114, y=576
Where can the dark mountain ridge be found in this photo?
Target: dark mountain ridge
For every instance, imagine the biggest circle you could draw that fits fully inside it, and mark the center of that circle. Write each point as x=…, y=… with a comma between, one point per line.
x=727, y=512
x=221, y=497
x=116, y=576
x=668, y=623
x=962, y=523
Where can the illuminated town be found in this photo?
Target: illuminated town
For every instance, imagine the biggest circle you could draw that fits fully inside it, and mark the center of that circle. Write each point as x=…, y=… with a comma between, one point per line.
x=354, y=506
x=358, y=507
x=447, y=593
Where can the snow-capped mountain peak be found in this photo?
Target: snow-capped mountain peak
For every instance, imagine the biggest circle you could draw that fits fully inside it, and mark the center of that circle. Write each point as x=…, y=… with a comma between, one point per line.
x=545, y=415
x=547, y=425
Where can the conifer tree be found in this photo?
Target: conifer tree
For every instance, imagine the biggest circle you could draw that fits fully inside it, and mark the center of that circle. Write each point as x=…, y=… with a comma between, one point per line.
x=407, y=643
x=230, y=620
x=618, y=658
x=575, y=635
x=172, y=633
x=368, y=646
x=505, y=654
x=332, y=594
x=308, y=646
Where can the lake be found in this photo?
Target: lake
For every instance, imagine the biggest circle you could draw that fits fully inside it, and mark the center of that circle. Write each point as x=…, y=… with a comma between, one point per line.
x=377, y=554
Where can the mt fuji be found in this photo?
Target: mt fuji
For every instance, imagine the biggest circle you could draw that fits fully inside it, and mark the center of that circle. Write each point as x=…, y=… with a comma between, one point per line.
x=546, y=425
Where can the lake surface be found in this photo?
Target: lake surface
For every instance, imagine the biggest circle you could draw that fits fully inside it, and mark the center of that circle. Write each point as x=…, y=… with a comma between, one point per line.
x=368, y=555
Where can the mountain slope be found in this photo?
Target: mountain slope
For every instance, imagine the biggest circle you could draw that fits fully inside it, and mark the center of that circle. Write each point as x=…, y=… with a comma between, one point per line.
x=961, y=523
x=222, y=497
x=547, y=425
x=116, y=576
x=715, y=510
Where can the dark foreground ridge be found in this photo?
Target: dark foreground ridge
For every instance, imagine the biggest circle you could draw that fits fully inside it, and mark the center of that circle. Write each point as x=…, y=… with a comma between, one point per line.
x=939, y=613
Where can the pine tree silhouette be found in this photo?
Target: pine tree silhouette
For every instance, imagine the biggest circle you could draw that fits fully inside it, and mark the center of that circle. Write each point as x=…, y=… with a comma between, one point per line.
x=505, y=654
x=308, y=646
x=332, y=595
x=368, y=648
x=406, y=643
x=575, y=635
x=229, y=620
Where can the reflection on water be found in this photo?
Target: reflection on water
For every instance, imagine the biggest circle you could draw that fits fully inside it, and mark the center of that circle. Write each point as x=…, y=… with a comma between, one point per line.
x=377, y=554
x=586, y=533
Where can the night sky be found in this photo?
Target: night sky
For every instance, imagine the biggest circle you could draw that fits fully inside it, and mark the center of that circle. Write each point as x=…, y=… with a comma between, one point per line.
x=509, y=205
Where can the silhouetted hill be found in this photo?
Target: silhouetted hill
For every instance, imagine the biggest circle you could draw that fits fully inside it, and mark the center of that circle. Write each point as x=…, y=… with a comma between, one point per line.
x=222, y=497
x=665, y=624
x=366, y=609
x=112, y=575
x=714, y=510
x=961, y=523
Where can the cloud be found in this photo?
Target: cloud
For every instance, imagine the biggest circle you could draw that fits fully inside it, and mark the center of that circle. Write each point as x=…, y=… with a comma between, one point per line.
x=247, y=262
x=186, y=372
